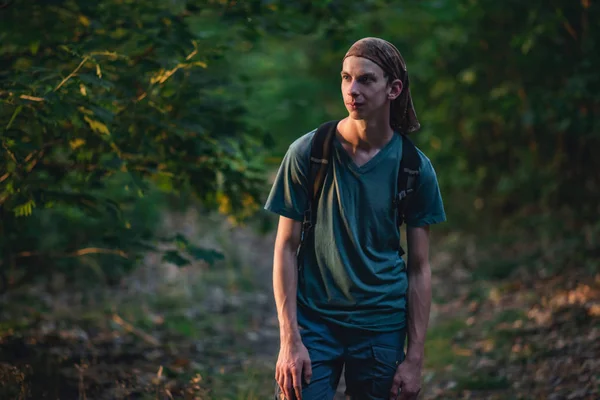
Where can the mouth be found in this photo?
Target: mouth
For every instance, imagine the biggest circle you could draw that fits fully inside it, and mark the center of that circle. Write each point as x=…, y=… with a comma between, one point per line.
x=355, y=105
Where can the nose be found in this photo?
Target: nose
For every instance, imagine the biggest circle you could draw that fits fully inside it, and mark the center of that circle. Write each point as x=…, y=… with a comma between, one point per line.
x=353, y=89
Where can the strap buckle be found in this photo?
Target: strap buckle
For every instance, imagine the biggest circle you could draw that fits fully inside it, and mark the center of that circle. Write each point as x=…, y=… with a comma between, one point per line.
x=403, y=194
x=306, y=224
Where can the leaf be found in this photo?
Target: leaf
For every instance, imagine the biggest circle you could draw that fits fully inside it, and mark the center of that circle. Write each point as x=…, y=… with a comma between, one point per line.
x=139, y=182
x=114, y=208
x=34, y=47
x=96, y=206
x=15, y=113
x=174, y=257
x=113, y=162
x=181, y=241
x=24, y=210
x=97, y=126
x=102, y=113
x=142, y=245
x=76, y=143
x=208, y=255
x=85, y=21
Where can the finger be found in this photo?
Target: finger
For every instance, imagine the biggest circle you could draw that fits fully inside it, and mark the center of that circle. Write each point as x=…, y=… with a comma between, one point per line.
x=404, y=395
x=288, y=386
x=394, y=390
x=298, y=392
x=398, y=395
x=281, y=379
x=307, y=369
x=297, y=382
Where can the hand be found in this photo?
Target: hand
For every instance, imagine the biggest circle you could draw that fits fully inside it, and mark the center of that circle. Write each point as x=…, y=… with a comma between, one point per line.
x=293, y=361
x=408, y=380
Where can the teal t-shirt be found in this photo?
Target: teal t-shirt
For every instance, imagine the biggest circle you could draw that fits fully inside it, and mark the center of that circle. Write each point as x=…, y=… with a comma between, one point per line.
x=350, y=272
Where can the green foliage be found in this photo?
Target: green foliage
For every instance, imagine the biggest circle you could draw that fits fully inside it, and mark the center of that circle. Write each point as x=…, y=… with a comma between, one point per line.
x=83, y=241
x=439, y=345
x=143, y=95
x=510, y=124
x=113, y=89
x=194, y=252
x=507, y=94
x=119, y=96
x=184, y=97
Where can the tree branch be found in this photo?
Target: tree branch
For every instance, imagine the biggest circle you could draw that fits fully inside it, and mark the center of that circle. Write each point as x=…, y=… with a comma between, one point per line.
x=72, y=74
x=76, y=253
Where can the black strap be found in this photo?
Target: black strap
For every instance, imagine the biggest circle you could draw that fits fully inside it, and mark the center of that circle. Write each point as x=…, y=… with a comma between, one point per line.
x=408, y=176
x=320, y=153
x=320, y=159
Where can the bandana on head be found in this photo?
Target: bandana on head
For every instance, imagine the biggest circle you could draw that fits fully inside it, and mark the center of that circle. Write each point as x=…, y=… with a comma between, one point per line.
x=403, y=117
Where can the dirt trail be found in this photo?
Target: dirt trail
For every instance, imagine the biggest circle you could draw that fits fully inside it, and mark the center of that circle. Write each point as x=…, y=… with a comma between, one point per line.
x=211, y=333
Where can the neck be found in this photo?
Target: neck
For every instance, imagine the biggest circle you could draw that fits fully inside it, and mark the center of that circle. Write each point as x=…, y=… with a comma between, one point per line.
x=365, y=134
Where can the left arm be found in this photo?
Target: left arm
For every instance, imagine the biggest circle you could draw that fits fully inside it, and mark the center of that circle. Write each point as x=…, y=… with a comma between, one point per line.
x=425, y=209
x=408, y=374
x=419, y=293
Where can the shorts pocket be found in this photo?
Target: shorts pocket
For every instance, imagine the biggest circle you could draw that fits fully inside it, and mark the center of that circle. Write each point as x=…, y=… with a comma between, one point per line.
x=386, y=361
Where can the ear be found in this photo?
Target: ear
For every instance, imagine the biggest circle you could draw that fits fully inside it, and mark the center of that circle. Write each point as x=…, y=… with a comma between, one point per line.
x=395, y=89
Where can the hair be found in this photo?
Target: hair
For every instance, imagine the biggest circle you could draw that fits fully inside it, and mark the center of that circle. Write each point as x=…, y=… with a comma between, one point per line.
x=403, y=117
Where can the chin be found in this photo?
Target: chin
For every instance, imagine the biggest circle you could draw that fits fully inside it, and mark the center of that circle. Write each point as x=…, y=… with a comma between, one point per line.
x=357, y=115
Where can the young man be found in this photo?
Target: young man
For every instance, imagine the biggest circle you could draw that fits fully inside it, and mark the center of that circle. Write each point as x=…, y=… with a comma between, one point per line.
x=347, y=299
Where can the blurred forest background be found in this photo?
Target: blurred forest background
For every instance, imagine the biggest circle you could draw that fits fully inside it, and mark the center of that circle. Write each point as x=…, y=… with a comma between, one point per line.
x=137, y=144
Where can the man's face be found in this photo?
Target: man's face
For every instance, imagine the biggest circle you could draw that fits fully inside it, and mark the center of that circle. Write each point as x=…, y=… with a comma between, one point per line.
x=365, y=89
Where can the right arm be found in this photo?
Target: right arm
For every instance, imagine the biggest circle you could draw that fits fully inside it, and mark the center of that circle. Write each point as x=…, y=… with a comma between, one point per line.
x=293, y=361
x=285, y=278
x=289, y=198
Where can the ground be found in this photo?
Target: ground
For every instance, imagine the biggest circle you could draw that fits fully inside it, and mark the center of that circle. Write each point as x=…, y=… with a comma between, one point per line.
x=205, y=332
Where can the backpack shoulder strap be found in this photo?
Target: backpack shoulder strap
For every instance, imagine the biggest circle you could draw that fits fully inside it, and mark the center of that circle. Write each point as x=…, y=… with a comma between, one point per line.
x=408, y=177
x=320, y=152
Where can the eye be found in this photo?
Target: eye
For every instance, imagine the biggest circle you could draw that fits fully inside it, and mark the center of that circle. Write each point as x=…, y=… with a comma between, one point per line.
x=365, y=79
x=345, y=77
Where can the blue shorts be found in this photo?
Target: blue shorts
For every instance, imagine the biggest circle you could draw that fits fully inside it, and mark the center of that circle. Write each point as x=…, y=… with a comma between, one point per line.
x=369, y=360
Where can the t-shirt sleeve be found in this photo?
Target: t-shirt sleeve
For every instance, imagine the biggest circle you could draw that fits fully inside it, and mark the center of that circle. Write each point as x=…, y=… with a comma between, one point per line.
x=426, y=206
x=289, y=193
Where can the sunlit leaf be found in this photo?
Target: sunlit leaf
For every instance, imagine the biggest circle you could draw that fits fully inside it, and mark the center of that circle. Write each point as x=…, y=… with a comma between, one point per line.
x=97, y=126
x=76, y=143
x=25, y=209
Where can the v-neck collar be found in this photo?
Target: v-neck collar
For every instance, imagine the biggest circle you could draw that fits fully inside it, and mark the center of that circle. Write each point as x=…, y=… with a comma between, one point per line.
x=372, y=162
